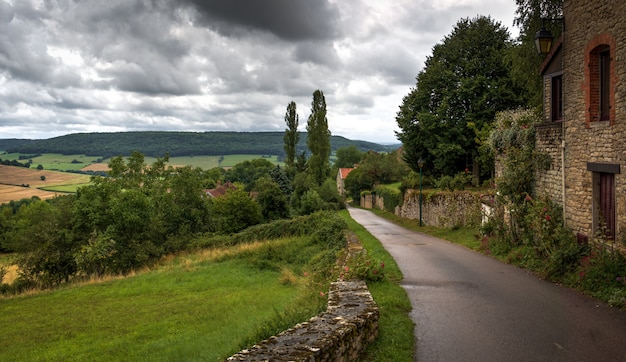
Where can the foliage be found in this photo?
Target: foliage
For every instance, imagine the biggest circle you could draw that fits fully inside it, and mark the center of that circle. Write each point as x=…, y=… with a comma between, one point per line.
x=292, y=136
x=513, y=141
x=273, y=201
x=330, y=195
x=311, y=202
x=357, y=181
x=364, y=267
x=236, y=211
x=348, y=156
x=318, y=140
x=248, y=172
x=459, y=182
x=392, y=197
x=375, y=168
x=464, y=83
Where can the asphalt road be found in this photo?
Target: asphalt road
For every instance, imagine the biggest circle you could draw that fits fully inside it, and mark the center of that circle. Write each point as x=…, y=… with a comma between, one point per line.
x=470, y=307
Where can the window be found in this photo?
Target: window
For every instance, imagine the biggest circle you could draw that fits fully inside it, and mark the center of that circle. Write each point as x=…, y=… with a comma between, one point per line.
x=556, y=99
x=600, y=79
x=604, y=84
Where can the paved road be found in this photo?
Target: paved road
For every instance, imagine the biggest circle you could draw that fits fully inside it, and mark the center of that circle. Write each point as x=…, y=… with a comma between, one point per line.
x=470, y=307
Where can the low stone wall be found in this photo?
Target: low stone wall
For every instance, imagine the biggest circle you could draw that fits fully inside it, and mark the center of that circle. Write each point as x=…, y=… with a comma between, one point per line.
x=443, y=209
x=340, y=334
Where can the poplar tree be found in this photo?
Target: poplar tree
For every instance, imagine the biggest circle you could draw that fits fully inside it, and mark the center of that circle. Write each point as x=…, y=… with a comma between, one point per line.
x=318, y=139
x=292, y=136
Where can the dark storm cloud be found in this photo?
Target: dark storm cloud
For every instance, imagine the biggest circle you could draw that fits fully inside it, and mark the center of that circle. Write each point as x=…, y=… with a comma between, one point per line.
x=292, y=20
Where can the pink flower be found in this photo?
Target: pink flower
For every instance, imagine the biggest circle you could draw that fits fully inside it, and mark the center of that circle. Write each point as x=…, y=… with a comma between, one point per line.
x=528, y=198
x=306, y=274
x=346, y=269
x=321, y=294
x=382, y=265
x=548, y=217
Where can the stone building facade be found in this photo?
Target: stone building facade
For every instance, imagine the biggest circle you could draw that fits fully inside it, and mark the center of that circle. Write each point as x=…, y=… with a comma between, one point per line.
x=584, y=128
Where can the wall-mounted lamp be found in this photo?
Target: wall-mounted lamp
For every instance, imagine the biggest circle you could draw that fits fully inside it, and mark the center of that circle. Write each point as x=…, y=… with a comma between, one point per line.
x=544, y=38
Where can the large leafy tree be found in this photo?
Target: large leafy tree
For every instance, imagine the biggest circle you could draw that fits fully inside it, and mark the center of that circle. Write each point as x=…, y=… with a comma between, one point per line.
x=292, y=136
x=318, y=138
x=348, y=156
x=464, y=83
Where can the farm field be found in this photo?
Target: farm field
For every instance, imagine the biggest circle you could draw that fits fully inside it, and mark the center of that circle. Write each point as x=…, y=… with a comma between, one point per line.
x=55, y=183
x=56, y=161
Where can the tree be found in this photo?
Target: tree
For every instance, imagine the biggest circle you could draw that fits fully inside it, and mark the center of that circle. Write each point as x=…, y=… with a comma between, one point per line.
x=348, y=156
x=274, y=203
x=318, y=138
x=464, y=83
x=236, y=211
x=247, y=172
x=292, y=136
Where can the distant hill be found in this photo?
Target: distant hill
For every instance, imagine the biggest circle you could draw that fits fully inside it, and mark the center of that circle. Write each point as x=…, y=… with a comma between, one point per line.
x=157, y=144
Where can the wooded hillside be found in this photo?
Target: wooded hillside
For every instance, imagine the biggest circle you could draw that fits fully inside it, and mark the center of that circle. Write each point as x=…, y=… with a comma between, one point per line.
x=156, y=144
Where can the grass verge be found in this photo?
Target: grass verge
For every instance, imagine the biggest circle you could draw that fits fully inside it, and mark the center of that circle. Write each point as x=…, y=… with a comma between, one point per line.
x=395, y=333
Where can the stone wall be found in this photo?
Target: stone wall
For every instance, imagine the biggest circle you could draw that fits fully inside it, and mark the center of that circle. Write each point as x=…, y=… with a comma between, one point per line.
x=340, y=334
x=549, y=140
x=589, y=24
x=443, y=209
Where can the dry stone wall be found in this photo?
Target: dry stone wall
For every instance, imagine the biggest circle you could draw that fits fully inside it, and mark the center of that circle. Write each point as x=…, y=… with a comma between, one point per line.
x=443, y=209
x=341, y=334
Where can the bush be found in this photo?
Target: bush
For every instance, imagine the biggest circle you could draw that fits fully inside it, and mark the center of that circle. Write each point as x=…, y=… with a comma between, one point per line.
x=311, y=202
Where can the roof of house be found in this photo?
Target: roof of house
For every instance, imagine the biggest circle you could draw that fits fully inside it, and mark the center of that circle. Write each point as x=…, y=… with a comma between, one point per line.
x=344, y=172
x=220, y=190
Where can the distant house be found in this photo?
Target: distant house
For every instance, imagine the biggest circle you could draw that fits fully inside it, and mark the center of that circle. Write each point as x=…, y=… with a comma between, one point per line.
x=584, y=125
x=341, y=177
x=220, y=190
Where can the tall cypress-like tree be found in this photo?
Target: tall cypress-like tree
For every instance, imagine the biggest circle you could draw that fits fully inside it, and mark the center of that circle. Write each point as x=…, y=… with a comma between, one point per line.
x=318, y=138
x=292, y=136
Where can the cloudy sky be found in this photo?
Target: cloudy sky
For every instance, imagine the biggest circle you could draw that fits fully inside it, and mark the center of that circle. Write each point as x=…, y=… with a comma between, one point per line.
x=70, y=66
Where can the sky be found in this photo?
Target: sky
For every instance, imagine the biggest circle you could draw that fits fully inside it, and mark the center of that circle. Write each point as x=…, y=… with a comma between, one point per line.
x=80, y=66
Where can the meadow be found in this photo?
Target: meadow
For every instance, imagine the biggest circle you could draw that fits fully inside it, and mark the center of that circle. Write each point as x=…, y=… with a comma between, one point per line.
x=204, y=306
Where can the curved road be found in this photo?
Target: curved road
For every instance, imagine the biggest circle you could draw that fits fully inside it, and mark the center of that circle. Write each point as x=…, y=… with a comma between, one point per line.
x=470, y=307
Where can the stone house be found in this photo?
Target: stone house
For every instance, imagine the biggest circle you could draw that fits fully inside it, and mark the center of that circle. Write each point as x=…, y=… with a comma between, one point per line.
x=341, y=179
x=584, y=120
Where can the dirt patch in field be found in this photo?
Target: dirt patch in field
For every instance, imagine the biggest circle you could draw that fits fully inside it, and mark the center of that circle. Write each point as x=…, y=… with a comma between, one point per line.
x=11, y=274
x=96, y=167
x=12, y=177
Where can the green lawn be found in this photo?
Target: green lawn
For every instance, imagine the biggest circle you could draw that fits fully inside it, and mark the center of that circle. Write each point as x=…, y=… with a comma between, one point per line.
x=189, y=310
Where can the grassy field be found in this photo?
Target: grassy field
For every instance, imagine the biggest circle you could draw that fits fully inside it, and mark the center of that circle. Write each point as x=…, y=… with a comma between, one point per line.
x=199, y=306
x=55, y=182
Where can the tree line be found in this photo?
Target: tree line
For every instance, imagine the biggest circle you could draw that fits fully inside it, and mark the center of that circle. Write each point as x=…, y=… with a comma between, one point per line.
x=156, y=144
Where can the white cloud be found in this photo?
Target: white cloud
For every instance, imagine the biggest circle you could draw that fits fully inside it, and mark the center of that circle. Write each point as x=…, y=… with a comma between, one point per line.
x=93, y=66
